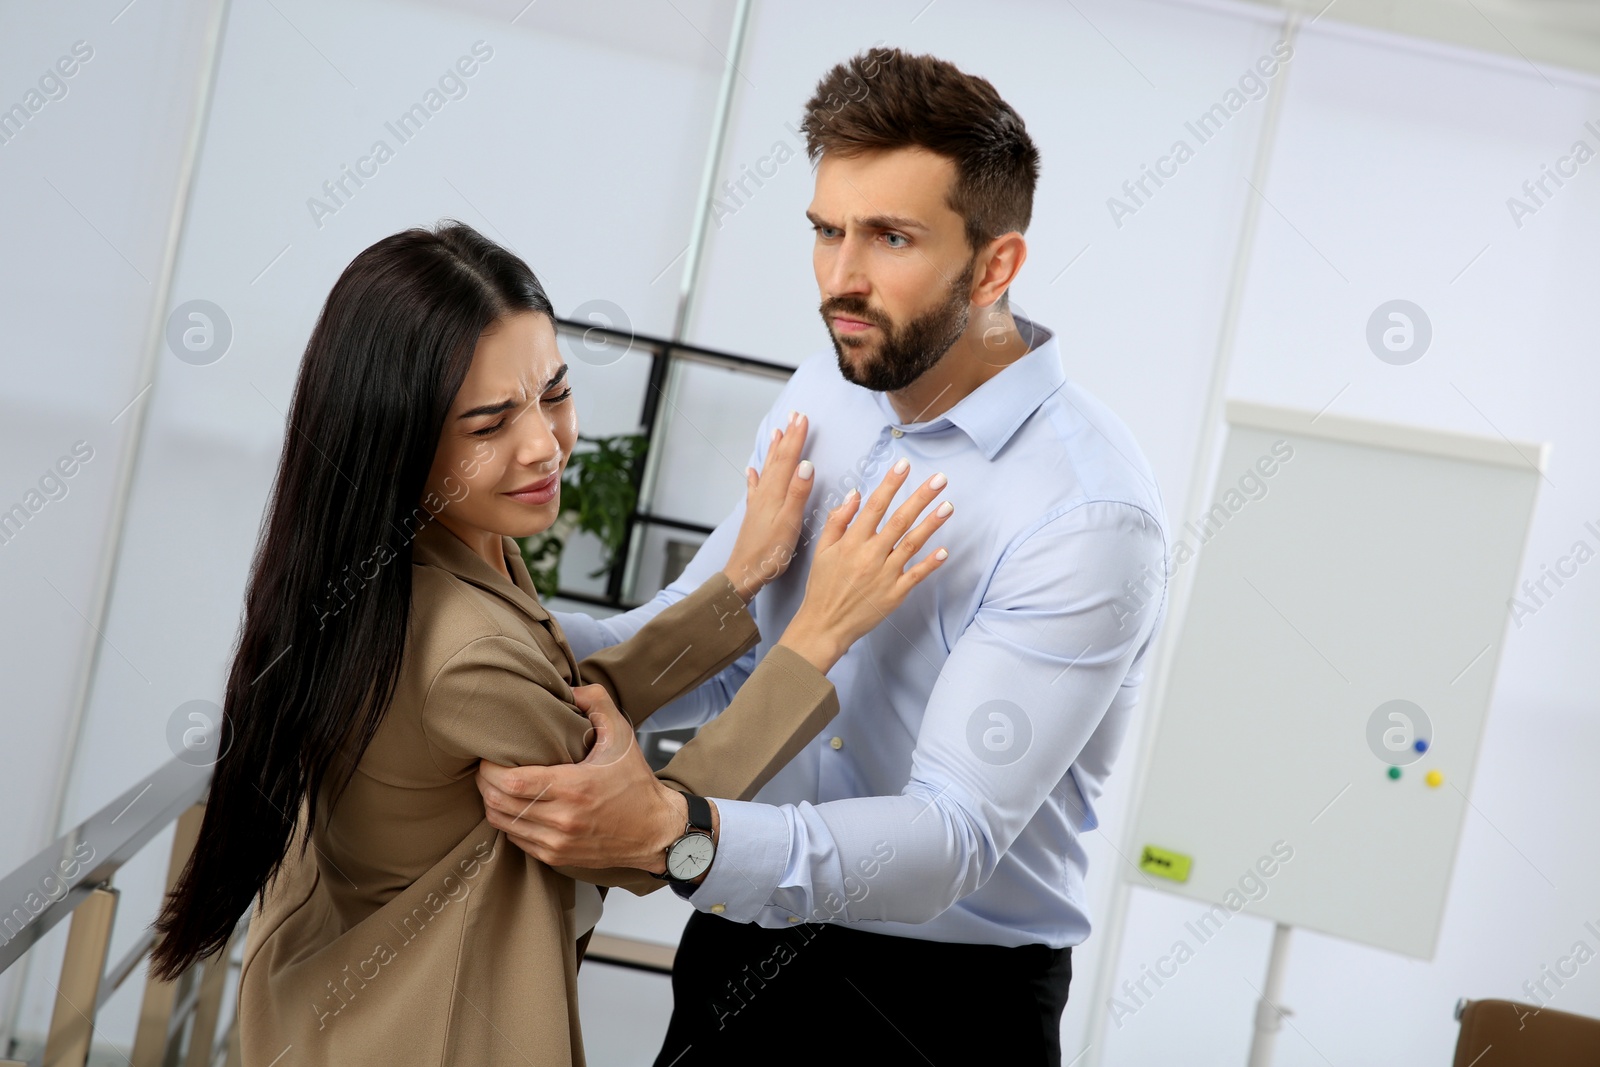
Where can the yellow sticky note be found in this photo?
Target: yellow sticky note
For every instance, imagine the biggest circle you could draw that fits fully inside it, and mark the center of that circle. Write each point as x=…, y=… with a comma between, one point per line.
x=1164, y=863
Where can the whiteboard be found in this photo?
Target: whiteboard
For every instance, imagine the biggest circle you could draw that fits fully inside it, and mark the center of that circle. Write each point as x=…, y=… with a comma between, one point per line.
x=1373, y=564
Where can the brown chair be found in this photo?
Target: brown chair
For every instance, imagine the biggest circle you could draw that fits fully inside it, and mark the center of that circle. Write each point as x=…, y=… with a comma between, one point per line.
x=1504, y=1033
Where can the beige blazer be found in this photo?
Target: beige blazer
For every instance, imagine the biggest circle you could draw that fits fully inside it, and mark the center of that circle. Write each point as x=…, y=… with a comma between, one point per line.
x=412, y=932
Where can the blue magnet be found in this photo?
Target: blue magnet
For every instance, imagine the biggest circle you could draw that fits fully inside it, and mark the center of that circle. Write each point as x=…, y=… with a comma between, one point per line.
x=1420, y=745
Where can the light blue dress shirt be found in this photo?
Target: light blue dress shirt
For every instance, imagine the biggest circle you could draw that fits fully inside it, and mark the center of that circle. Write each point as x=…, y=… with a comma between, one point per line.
x=978, y=722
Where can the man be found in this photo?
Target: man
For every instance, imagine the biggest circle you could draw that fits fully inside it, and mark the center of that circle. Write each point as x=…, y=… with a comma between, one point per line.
x=909, y=887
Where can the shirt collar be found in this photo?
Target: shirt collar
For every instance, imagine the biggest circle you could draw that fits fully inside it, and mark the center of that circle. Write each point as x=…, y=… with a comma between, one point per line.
x=436, y=546
x=993, y=412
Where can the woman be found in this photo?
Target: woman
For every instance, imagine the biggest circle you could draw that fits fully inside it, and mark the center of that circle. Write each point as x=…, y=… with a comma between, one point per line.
x=392, y=639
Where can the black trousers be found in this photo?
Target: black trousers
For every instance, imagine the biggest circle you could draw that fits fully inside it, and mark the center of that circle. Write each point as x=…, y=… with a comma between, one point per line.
x=824, y=993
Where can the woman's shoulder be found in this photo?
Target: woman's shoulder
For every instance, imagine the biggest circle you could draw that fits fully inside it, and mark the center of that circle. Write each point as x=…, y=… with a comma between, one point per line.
x=476, y=676
x=471, y=661
x=452, y=618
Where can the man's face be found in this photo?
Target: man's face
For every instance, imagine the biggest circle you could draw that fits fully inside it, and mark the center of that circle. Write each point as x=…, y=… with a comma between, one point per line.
x=892, y=262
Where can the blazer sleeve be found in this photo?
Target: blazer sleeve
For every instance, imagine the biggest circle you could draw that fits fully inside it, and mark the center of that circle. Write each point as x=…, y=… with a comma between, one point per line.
x=784, y=704
x=681, y=647
x=500, y=699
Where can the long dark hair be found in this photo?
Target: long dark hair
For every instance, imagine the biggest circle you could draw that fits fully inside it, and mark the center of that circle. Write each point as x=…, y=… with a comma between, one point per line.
x=326, y=613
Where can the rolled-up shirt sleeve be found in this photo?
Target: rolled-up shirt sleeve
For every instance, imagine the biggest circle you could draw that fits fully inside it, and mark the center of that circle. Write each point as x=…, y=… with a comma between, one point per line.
x=1068, y=607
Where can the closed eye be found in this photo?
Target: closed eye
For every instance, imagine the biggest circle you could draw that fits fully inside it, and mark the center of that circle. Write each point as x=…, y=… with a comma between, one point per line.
x=489, y=431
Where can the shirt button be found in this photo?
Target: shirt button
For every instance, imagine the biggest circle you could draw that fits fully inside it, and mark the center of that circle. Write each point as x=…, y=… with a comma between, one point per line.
x=718, y=909
x=897, y=432
x=836, y=743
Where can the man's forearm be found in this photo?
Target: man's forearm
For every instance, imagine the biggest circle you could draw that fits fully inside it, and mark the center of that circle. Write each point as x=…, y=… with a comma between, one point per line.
x=670, y=822
x=587, y=635
x=903, y=858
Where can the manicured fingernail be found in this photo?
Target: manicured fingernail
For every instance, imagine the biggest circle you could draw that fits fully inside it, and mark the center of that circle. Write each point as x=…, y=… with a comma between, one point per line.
x=944, y=509
x=792, y=416
x=937, y=481
x=853, y=494
x=775, y=435
x=902, y=465
x=941, y=554
x=804, y=470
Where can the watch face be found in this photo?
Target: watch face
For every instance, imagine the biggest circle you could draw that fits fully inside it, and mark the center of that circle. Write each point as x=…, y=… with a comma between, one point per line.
x=690, y=856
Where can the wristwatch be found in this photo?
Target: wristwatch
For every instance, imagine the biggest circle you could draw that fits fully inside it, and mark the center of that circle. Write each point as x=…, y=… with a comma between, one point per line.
x=690, y=856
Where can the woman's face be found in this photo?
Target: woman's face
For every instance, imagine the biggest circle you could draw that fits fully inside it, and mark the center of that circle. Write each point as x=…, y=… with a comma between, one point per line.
x=508, y=436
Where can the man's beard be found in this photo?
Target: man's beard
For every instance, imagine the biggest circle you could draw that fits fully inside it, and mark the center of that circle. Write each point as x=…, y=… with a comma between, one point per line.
x=904, y=352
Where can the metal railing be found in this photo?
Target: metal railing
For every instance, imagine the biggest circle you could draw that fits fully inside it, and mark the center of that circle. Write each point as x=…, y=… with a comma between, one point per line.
x=71, y=881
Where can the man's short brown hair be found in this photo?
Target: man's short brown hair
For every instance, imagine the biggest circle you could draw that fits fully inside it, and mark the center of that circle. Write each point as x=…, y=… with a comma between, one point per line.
x=885, y=99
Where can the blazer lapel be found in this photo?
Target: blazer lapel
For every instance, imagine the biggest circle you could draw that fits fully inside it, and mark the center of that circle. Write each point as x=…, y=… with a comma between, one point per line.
x=436, y=546
x=524, y=583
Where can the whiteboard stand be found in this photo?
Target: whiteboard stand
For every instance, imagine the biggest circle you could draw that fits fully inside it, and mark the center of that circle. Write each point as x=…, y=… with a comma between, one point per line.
x=1269, y=1009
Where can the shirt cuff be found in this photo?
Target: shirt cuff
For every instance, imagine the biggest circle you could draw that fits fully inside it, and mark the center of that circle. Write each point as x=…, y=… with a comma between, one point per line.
x=752, y=853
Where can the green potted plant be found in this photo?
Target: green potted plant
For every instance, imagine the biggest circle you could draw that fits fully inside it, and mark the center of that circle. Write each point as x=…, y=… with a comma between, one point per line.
x=598, y=497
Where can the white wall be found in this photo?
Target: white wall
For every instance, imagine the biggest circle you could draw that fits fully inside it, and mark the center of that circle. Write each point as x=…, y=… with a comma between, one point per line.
x=580, y=144
x=88, y=182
